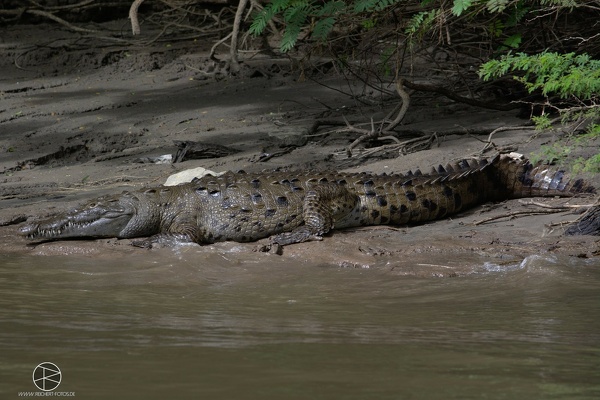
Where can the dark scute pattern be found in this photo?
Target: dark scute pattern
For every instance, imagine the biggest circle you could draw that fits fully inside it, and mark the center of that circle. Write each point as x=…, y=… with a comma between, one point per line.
x=447, y=191
x=430, y=205
x=257, y=198
x=282, y=201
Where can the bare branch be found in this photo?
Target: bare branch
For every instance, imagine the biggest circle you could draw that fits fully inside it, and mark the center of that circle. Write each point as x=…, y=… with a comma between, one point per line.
x=405, y=103
x=60, y=21
x=133, y=16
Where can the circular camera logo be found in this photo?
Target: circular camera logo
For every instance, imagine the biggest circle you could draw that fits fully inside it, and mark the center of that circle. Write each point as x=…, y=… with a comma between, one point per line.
x=47, y=376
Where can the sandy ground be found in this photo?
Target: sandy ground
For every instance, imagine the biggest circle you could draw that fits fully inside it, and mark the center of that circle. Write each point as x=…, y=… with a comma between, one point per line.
x=78, y=122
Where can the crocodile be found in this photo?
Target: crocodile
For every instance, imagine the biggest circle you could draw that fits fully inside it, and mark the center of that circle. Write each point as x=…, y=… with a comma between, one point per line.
x=293, y=207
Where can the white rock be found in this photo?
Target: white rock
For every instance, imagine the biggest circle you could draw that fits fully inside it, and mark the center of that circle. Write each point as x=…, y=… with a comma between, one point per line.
x=189, y=174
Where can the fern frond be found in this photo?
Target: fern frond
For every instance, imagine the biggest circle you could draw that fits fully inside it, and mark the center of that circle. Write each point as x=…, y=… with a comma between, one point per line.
x=330, y=8
x=262, y=18
x=496, y=6
x=364, y=5
x=420, y=22
x=460, y=6
x=323, y=27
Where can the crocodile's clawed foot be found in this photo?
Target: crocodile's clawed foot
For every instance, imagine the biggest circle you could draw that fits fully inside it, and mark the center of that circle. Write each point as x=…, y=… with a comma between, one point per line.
x=145, y=244
x=299, y=235
x=271, y=248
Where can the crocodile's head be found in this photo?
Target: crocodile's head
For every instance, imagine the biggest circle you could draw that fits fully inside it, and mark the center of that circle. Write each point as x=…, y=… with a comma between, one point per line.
x=109, y=216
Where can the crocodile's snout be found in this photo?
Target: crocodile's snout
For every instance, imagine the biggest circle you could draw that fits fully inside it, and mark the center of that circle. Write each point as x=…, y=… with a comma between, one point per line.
x=28, y=230
x=53, y=229
x=104, y=217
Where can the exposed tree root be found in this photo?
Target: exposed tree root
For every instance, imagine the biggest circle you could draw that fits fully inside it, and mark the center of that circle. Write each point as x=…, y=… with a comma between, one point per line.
x=386, y=127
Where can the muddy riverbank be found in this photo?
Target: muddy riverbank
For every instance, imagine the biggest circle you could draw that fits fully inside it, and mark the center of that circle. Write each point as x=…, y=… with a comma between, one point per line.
x=77, y=123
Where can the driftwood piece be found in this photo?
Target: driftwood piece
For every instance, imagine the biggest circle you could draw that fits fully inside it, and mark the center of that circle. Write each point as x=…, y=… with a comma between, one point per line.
x=190, y=150
x=587, y=224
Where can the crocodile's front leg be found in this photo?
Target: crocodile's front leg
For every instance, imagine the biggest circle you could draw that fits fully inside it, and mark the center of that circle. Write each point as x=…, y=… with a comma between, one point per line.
x=323, y=205
x=176, y=228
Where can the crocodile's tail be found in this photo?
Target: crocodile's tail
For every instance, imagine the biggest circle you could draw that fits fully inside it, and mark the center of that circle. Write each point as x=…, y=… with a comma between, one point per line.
x=523, y=179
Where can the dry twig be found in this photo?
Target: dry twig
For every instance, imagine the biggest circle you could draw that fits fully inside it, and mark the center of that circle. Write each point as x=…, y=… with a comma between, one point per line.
x=514, y=214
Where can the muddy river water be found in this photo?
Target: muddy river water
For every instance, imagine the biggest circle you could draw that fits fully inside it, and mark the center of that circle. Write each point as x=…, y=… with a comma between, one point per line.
x=180, y=325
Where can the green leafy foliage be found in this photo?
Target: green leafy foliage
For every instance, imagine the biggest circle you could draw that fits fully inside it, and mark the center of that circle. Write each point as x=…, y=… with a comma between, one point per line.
x=591, y=164
x=559, y=151
x=551, y=73
x=461, y=6
x=542, y=122
x=559, y=3
x=420, y=23
x=299, y=15
x=497, y=6
x=261, y=19
x=512, y=41
x=318, y=18
x=589, y=139
x=554, y=153
x=372, y=5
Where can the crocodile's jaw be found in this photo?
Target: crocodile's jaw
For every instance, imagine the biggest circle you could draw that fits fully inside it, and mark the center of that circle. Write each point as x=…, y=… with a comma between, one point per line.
x=104, y=217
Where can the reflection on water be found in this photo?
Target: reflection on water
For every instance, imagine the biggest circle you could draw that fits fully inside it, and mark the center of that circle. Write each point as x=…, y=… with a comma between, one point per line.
x=195, y=324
